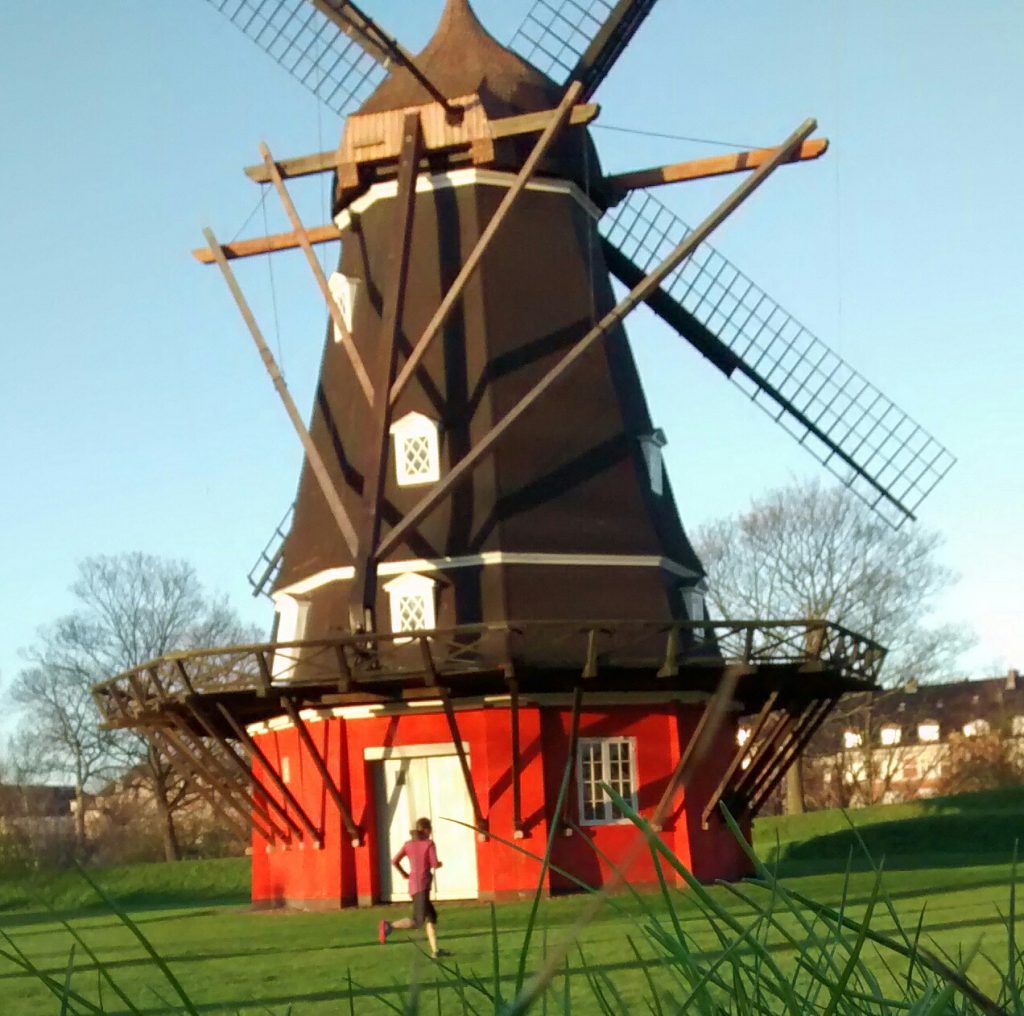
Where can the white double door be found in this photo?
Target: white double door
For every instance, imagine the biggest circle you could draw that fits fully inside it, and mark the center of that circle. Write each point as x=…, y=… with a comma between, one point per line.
x=429, y=786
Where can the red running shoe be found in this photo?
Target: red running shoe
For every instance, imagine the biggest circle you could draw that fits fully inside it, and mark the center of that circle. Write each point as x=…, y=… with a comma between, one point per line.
x=383, y=930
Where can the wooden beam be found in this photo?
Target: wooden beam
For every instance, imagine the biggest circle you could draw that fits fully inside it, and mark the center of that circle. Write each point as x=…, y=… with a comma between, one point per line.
x=316, y=461
x=504, y=127
x=318, y=274
x=453, y=728
x=455, y=291
x=267, y=244
x=256, y=752
x=703, y=735
x=363, y=596
x=574, y=736
x=716, y=165
x=742, y=751
x=263, y=799
x=637, y=295
x=321, y=767
x=517, y=795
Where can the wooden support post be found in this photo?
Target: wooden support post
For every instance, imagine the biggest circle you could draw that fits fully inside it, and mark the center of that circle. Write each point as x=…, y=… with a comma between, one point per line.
x=453, y=728
x=224, y=804
x=670, y=668
x=699, y=169
x=256, y=752
x=208, y=767
x=590, y=663
x=318, y=274
x=263, y=800
x=363, y=596
x=770, y=760
x=761, y=758
x=703, y=736
x=648, y=285
x=574, y=736
x=429, y=668
x=517, y=762
x=798, y=744
x=742, y=751
x=316, y=461
x=345, y=681
x=472, y=262
x=266, y=681
x=321, y=767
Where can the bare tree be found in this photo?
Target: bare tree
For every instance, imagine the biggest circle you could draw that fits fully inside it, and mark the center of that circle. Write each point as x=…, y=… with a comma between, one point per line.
x=809, y=551
x=131, y=608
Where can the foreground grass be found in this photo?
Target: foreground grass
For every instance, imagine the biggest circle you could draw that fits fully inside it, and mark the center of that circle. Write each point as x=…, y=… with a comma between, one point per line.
x=233, y=960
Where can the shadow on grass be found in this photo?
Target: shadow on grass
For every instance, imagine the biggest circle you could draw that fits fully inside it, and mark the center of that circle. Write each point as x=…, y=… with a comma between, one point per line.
x=944, y=839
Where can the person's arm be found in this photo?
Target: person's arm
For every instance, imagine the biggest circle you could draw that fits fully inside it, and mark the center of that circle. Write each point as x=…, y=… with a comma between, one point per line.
x=397, y=862
x=432, y=862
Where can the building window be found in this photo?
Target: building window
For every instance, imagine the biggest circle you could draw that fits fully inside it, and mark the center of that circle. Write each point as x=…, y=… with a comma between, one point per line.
x=694, y=601
x=344, y=290
x=742, y=735
x=910, y=769
x=928, y=731
x=851, y=739
x=890, y=736
x=412, y=603
x=652, y=444
x=417, y=455
x=611, y=761
x=976, y=728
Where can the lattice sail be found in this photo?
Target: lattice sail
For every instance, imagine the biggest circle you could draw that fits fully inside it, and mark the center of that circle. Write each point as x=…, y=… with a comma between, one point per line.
x=856, y=431
x=337, y=69
x=580, y=39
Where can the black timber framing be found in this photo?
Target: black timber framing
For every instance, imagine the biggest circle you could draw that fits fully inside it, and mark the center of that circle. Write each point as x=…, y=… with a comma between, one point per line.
x=460, y=751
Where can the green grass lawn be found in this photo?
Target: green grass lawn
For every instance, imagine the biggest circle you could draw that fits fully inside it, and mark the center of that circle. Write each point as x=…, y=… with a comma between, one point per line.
x=950, y=858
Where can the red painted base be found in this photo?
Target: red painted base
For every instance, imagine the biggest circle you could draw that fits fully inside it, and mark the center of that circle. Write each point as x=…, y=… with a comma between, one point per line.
x=352, y=743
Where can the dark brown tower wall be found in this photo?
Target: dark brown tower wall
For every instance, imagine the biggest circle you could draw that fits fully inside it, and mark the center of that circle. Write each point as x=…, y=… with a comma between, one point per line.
x=569, y=478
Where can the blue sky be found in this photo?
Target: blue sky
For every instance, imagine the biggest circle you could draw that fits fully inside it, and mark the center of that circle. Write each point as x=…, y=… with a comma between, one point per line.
x=136, y=415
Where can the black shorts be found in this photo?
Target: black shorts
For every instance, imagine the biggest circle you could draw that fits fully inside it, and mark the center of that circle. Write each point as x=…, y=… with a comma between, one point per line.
x=422, y=909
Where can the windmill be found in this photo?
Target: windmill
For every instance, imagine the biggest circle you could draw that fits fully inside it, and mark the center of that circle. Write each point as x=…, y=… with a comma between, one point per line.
x=484, y=583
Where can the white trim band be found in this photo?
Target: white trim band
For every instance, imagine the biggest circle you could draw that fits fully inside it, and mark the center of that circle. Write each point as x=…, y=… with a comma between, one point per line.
x=489, y=557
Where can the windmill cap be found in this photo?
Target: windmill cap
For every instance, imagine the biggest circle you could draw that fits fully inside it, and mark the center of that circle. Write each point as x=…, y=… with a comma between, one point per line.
x=463, y=58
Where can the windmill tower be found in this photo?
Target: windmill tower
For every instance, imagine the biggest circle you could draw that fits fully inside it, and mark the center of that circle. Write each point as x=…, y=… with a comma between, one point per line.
x=487, y=606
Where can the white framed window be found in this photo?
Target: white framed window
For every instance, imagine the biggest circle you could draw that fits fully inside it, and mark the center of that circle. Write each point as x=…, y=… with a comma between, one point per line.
x=417, y=452
x=412, y=603
x=611, y=761
x=292, y=613
x=976, y=728
x=1017, y=726
x=652, y=444
x=851, y=739
x=742, y=735
x=345, y=292
x=928, y=731
x=890, y=736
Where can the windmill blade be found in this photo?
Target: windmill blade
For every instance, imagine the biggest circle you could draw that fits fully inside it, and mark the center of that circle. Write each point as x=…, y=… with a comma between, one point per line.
x=340, y=65
x=858, y=433
x=579, y=40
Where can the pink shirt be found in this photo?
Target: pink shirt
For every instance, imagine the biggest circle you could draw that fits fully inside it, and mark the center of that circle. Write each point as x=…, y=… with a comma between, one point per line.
x=422, y=861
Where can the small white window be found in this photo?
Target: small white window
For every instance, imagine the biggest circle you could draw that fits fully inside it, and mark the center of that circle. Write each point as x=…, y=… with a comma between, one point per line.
x=1017, y=726
x=291, y=627
x=890, y=736
x=851, y=739
x=611, y=761
x=417, y=458
x=928, y=731
x=345, y=291
x=286, y=769
x=412, y=603
x=976, y=728
x=742, y=735
x=652, y=444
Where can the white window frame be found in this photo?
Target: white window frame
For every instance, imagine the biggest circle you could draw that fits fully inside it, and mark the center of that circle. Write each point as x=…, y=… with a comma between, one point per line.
x=416, y=427
x=652, y=444
x=292, y=614
x=890, y=736
x=852, y=740
x=345, y=292
x=604, y=744
x=411, y=585
x=929, y=731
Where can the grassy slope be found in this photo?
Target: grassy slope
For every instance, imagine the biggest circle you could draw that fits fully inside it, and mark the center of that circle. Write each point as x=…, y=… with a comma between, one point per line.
x=231, y=958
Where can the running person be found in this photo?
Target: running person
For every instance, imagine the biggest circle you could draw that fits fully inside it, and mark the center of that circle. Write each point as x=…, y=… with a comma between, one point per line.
x=422, y=857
